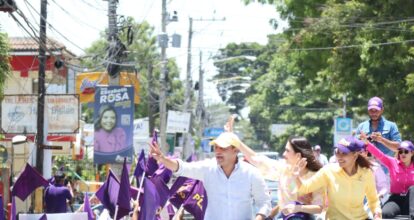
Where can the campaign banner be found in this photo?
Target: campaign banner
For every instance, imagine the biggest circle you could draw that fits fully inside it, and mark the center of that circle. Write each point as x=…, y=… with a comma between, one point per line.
x=86, y=84
x=113, y=124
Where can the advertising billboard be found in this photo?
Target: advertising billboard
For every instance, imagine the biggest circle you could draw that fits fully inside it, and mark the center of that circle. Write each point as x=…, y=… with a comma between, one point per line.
x=113, y=124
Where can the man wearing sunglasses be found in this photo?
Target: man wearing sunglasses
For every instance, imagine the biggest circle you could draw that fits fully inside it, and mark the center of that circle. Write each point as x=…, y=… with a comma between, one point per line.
x=401, y=170
x=383, y=134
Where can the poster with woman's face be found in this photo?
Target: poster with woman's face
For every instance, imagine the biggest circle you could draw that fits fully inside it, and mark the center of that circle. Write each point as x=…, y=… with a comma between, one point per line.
x=113, y=123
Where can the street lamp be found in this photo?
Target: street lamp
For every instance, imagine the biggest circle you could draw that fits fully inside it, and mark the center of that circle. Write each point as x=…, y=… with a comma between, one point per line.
x=16, y=140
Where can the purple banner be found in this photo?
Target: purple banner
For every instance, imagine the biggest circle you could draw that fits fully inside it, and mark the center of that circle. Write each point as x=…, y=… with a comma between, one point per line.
x=113, y=122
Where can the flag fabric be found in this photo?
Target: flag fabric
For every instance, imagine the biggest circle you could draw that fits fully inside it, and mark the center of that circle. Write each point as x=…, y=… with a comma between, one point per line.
x=27, y=182
x=190, y=194
x=1, y=208
x=87, y=207
x=170, y=211
x=140, y=168
x=156, y=194
x=163, y=173
x=197, y=201
x=108, y=193
x=124, y=195
x=43, y=217
x=192, y=157
x=152, y=166
x=13, y=209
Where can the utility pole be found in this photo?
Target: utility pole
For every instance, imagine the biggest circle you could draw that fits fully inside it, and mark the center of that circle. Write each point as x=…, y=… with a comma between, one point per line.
x=114, y=49
x=189, y=85
x=150, y=98
x=163, y=82
x=200, y=106
x=41, y=92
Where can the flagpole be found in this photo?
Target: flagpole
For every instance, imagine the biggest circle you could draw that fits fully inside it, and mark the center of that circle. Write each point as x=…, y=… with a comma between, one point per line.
x=116, y=212
x=140, y=187
x=178, y=212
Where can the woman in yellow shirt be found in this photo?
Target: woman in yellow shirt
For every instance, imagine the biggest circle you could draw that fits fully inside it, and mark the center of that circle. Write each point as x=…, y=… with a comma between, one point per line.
x=289, y=202
x=347, y=182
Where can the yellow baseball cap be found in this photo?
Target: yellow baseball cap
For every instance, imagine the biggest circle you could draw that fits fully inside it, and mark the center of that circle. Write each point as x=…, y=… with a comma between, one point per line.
x=226, y=139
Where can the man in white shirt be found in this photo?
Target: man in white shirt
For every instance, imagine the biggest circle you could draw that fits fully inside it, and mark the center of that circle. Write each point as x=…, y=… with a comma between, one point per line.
x=319, y=156
x=232, y=186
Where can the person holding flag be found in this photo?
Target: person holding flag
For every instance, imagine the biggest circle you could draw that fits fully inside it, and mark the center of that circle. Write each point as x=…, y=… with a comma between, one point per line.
x=232, y=186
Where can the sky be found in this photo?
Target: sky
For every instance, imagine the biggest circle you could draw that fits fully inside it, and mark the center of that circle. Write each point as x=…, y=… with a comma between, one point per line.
x=77, y=23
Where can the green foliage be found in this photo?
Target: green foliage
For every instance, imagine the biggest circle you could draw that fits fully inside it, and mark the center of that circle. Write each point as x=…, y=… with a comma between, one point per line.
x=332, y=49
x=5, y=68
x=142, y=52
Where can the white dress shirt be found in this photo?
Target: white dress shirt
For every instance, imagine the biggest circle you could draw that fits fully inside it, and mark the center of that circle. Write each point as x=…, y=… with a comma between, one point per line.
x=229, y=198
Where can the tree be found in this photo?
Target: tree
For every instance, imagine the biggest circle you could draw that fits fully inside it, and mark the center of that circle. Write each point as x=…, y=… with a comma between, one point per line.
x=336, y=48
x=142, y=52
x=5, y=68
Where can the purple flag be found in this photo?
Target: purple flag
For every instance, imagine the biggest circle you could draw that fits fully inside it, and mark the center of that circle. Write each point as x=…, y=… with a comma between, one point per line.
x=140, y=168
x=170, y=211
x=163, y=173
x=44, y=217
x=27, y=182
x=152, y=166
x=196, y=203
x=1, y=208
x=191, y=194
x=108, y=193
x=13, y=209
x=180, y=190
x=124, y=195
x=87, y=207
x=155, y=196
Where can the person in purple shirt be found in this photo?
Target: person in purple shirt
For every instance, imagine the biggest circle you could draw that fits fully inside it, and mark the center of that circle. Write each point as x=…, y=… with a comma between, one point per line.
x=108, y=137
x=57, y=195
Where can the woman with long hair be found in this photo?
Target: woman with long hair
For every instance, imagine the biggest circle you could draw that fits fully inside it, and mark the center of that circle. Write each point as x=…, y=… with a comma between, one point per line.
x=348, y=182
x=282, y=171
x=108, y=136
x=401, y=169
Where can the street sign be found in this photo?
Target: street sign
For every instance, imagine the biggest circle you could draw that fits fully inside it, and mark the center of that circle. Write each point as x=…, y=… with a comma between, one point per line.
x=178, y=122
x=19, y=114
x=342, y=128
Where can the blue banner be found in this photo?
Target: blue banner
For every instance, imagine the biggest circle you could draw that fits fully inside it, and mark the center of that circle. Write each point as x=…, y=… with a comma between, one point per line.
x=114, y=124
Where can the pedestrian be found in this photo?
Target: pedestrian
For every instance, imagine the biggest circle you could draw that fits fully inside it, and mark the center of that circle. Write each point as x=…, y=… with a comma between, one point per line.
x=401, y=169
x=382, y=132
x=232, y=185
x=108, y=137
x=57, y=196
x=282, y=171
x=320, y=156
x=348, y=182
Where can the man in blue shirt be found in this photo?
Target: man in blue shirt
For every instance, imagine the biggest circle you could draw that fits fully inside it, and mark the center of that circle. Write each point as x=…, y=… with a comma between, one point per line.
x=384, y=133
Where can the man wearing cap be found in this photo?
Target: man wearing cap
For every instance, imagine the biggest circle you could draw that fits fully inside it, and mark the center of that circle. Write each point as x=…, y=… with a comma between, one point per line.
x=383, y=133
x=319, y=156
x=232, y=186
x=57, y=195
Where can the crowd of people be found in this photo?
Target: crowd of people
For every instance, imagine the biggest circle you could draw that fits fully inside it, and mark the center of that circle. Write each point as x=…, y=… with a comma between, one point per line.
x=370, y=176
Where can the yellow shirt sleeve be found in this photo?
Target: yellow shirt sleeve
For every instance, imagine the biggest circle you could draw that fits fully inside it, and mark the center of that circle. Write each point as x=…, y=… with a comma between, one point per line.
x=316, y=182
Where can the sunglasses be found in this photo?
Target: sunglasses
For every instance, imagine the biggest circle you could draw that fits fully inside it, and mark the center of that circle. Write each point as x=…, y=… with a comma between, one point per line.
x=403, y=151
